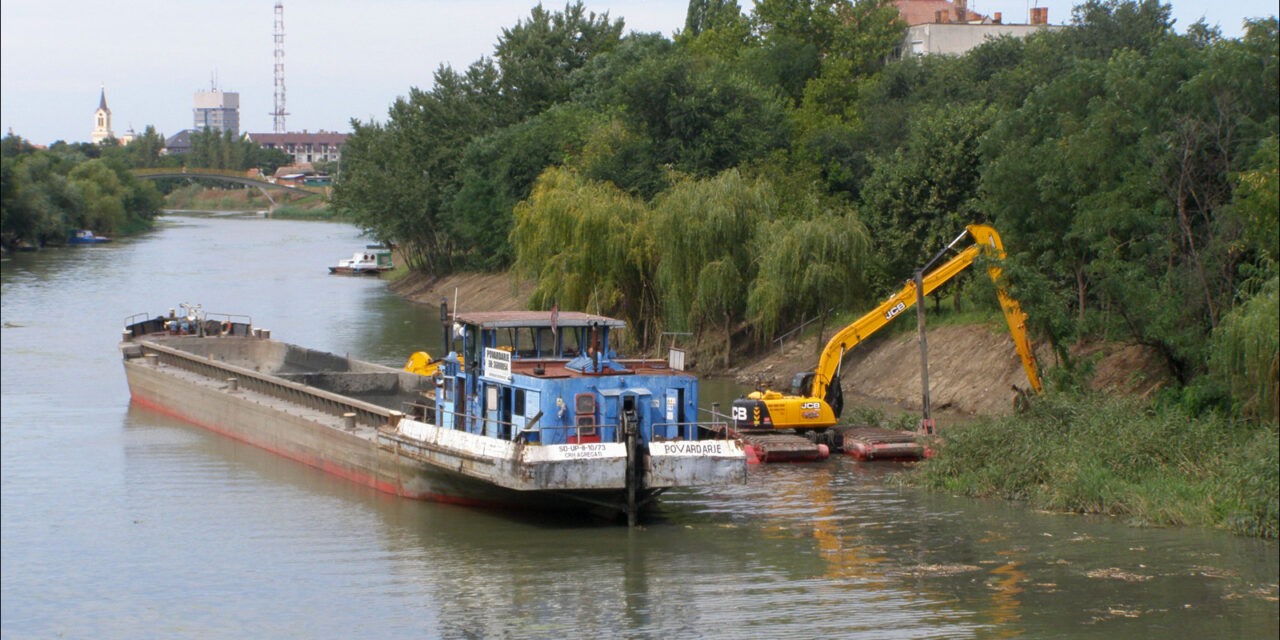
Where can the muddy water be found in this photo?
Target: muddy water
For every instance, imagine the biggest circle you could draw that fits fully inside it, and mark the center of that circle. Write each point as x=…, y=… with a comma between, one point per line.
x=121, y=523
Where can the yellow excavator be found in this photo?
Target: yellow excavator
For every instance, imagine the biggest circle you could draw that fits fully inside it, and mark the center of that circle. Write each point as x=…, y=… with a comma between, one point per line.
x=816, y=399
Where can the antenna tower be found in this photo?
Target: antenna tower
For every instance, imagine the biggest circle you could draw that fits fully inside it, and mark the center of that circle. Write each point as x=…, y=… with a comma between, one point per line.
x=279, y=113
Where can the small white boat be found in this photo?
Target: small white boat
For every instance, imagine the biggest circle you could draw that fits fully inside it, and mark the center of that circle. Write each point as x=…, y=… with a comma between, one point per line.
x=367, y=262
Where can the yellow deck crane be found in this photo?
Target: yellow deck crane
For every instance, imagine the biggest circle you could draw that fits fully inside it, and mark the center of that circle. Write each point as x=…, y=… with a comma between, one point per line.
x=816, y=399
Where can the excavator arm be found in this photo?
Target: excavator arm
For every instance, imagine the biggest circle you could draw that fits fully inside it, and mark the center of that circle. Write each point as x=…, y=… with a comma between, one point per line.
x=985, y=239
x=819, y=405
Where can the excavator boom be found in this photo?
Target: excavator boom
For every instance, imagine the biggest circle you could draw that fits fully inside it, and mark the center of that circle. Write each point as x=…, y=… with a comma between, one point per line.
x=819, y=405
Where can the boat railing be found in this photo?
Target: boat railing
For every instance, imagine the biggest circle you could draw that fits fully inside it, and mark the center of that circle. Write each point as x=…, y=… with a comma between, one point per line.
x=236, y=318
x=722, y=420
x=422, y=411
x=717, y=430
x=577, y=429
x=136, y=318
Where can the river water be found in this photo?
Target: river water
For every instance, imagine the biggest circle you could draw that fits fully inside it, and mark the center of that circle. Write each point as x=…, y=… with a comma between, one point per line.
x=118, y=522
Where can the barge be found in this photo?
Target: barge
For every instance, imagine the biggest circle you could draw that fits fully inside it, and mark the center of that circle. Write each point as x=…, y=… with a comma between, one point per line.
x=535, y=410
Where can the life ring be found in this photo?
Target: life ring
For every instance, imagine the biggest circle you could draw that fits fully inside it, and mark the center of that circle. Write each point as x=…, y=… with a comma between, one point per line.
x=226, y=327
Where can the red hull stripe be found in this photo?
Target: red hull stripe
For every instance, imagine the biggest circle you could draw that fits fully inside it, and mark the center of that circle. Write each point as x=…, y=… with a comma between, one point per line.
x=319, y=463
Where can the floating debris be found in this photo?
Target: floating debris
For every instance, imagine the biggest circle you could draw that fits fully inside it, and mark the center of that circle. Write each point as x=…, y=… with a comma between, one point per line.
x=1118, y=574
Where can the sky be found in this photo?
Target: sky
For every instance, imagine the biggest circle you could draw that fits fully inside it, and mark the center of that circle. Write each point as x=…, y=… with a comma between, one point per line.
x=343, y=59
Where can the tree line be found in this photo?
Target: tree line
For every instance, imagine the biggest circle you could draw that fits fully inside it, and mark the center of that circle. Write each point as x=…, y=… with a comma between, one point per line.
x=49, y=193
x=773, y=164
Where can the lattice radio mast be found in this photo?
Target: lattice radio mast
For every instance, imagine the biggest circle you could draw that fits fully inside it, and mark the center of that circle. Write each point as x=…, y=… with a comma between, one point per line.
x=279, y=113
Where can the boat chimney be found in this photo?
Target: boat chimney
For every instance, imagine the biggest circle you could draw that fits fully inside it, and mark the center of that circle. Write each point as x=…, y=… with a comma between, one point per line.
x=172, y=313
x=446, y=328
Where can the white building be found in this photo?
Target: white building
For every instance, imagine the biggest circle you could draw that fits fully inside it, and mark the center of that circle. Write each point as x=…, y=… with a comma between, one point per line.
x=305, y=147
x=949, y=28
x=217, y=110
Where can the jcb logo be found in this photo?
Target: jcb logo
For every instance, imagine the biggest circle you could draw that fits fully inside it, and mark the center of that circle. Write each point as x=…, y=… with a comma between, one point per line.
x=739, y=414
x=897, y=308
x=810, y=405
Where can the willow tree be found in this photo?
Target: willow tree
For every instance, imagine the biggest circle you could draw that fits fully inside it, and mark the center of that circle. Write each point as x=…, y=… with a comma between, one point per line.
x=578, y=238
x=807, y=267
x=703, y=231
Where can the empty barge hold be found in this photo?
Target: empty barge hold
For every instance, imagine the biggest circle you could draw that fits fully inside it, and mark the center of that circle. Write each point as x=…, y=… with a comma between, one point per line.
x=542, y=416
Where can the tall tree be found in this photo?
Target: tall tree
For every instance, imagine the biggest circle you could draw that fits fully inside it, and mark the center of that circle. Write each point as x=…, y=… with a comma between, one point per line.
x=537, y=55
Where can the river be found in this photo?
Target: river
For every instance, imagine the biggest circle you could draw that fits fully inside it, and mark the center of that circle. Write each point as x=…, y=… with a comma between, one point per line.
x=118, y=522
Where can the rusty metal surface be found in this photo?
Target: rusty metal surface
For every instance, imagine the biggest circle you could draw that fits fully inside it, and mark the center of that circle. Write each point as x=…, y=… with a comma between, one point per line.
x=680, y=464
x=875, y=443
x=875, y=435
x=772, y=446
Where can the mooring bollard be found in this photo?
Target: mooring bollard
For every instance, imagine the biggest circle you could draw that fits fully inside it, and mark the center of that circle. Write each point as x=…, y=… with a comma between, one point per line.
x=393, y=418
x=233, y=384
x=151, y=359
x=266, y=333
x=349, y=421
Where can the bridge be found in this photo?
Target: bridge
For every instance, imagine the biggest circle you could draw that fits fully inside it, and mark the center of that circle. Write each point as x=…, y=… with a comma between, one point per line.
x=223, y=175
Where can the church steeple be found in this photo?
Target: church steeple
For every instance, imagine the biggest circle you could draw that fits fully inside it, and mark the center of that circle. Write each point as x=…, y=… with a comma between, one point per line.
x=102, y=120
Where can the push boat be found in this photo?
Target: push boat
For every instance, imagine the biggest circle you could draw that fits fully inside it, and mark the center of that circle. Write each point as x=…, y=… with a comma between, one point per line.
x=372, y=261
x=534, y=411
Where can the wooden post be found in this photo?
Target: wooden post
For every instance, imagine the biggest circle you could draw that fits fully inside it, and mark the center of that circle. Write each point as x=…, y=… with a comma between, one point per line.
x=926, y=424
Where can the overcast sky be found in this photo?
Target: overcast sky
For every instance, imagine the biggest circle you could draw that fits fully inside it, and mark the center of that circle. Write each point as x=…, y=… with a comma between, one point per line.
x=343, y=59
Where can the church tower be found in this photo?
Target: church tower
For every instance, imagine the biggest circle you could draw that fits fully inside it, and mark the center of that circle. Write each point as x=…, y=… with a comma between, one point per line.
x=102, y=120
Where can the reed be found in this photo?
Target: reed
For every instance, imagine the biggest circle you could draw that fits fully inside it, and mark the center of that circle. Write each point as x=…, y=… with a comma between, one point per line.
x=1086, y=453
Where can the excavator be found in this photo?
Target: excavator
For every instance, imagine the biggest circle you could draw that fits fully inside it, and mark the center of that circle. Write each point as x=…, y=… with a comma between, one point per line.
x=816, y=399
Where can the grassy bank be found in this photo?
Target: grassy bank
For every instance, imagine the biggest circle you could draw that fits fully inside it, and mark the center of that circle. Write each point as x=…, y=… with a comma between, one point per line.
x=1093, y=454
x=290, y=205
x=302, y=212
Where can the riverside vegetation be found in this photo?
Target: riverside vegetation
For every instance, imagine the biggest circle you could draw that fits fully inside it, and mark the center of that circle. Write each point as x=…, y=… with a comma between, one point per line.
x=49, y=193
x=780, y=163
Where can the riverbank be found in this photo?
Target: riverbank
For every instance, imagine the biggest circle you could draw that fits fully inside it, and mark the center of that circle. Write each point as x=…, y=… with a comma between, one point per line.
x=1150, y=463
x=282, y=204
x=473, y=291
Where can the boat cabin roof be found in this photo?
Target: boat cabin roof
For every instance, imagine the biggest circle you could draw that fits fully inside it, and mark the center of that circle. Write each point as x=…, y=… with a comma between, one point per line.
x=505, y=319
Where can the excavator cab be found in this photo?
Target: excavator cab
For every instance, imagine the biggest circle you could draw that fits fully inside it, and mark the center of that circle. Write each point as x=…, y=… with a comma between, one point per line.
x=802, y=383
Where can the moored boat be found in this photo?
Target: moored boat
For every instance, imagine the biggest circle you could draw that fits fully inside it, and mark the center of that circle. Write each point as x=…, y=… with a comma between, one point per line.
x=85, y=236
x=372, y=261
x=543, y=415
